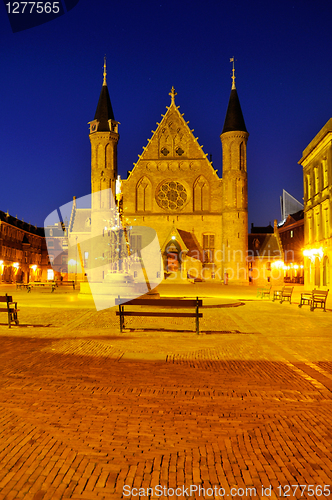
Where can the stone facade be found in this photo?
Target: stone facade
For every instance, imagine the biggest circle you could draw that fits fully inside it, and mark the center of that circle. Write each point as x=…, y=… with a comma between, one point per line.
x=201, y=219
x=317, y=180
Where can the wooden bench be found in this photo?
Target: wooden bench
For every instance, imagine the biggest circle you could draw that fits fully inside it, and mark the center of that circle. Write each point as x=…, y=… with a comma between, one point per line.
x=159, y=303
x=306, y=298
x=19, y=286
x=316, y=298
x=10, y=309
x=264, y=291
x=319, y=298
x=66, y=283
x=285, y=294
x=33, y=284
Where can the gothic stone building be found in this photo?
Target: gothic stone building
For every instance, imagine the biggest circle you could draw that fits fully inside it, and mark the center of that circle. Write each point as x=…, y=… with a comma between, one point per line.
x=201, y=220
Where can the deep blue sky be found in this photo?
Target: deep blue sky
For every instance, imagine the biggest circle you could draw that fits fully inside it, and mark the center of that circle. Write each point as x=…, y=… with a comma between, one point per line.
x=51, y=77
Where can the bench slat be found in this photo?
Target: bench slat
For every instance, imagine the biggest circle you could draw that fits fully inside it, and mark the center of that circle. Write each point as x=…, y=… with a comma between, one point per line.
x=11, y=309
x=163, y=314
x=161, y=302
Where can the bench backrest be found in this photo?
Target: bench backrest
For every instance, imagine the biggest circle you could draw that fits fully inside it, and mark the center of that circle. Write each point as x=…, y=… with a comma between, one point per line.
x=6, y=298
x=323, y=293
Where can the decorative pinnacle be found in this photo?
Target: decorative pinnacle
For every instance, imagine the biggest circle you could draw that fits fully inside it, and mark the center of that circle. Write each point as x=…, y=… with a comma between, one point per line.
x=173, y=94
x=105, y=73
x=233, y=76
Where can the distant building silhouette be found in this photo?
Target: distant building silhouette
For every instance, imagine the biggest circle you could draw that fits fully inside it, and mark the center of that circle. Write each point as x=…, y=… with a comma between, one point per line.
x=288, y=205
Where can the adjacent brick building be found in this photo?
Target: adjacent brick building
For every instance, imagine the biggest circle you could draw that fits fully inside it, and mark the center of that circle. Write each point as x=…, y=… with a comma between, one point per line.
x=23, y=253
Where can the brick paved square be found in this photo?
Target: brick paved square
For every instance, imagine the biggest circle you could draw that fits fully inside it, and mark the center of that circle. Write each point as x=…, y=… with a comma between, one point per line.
x=86, y=411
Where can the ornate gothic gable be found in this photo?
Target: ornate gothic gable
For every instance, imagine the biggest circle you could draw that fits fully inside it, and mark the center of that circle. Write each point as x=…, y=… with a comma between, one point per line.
x=173, y=144
x=172, y=174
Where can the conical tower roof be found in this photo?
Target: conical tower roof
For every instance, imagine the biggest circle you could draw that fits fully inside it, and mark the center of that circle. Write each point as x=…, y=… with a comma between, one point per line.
x=104, y=111
x=234, y=120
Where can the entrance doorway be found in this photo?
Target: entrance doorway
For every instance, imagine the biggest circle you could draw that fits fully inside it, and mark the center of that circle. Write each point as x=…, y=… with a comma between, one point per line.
x=172, y=262
x=317, y=272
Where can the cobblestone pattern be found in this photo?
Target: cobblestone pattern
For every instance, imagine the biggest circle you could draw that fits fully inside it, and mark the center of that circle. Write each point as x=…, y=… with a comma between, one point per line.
x=245, y=409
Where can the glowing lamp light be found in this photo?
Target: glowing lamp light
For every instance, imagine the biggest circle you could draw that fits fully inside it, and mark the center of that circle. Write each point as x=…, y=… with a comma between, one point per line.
x=16, y=265
x=173, y=237
x=1, y=262
x=312, y=253
x=34, y=267
x=277, y=264
x=118, y=183
x=72, y=262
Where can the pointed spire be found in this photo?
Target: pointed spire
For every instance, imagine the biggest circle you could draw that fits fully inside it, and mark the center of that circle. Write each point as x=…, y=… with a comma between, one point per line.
x=173, y=94
x=234, y=120
x=105, y=73
x=104, y=111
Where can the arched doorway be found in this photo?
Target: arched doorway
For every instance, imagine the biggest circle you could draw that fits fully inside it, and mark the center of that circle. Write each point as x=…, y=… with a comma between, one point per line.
x=317, y=272
x=326, y=271
x=173, y=257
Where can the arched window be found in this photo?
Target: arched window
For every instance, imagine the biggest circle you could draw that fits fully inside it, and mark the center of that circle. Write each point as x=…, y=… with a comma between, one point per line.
x=326, y=271
x=144, y=195
x=201, y=195
x=242, y=157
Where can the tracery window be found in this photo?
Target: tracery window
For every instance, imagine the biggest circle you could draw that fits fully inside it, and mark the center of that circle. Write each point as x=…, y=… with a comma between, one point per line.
x=171, y=195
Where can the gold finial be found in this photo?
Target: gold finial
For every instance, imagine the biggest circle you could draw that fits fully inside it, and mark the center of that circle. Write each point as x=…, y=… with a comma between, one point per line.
x=173, y=94
x=104, y=81
x=233, y=76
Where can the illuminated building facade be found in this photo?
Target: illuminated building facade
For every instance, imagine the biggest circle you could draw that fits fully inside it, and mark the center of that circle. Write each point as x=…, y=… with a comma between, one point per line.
x=201, y=219
x=291, y=232
x=265, y=256
x=23, y=253
x=57, y=246
x=317, y=180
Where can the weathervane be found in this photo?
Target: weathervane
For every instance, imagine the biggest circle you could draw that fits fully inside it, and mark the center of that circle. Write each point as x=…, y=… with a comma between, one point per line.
x=232, y=59
x=173, y=94
x=104, y=74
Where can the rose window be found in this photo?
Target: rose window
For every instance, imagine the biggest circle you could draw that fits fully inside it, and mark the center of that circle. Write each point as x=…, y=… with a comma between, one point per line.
x=171, y=195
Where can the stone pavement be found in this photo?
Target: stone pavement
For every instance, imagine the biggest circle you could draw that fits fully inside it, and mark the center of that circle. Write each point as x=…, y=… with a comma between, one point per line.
x=241, y=411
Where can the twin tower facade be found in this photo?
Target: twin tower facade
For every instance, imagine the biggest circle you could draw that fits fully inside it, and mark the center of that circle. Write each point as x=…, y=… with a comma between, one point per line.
x=201, y=219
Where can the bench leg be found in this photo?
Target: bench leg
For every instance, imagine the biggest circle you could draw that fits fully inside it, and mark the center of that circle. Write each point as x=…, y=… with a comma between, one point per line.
x=121, y=309
x=197, y=317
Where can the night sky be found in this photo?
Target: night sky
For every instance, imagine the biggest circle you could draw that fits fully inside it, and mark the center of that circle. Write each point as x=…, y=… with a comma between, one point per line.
x=51, y=78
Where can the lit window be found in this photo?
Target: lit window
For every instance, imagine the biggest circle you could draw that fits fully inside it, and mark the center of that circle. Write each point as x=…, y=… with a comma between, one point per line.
x=208, y=248
x=50, y=274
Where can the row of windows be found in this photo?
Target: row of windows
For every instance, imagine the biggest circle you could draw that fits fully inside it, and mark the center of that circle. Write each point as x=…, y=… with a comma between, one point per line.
x=16, y=234
x=316, y=179
x=172, y=195
x=318, y=226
